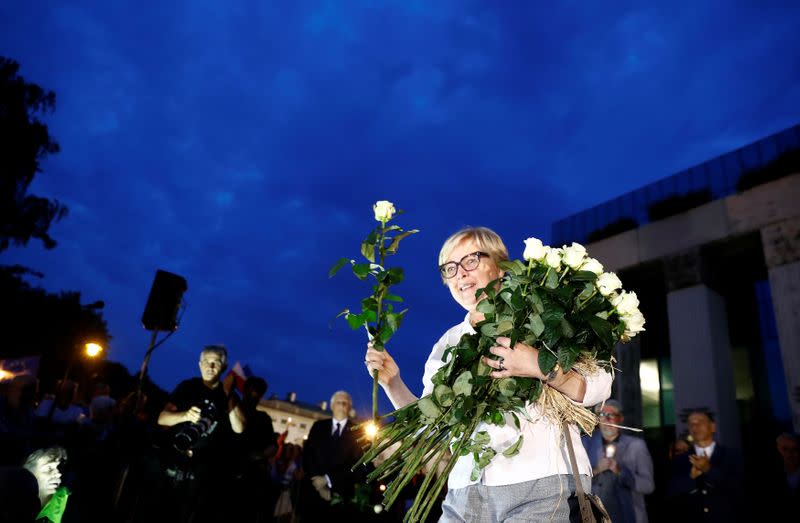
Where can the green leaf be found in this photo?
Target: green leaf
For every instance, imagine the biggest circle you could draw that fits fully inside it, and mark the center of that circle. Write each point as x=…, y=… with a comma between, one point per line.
x=504, y=327
x=428, y=408
x=489, y=329
x=507, y=386
x=368, y=251
x=482, y=438
x=506, y=297
x=396, y=240
x=489, y=291
x=515, y=267
x=547, y=361
x=517, y=301
x=553, y=316
x=444, y=395
x=463, y=384
x=485, y=306
x=513, y=450
x=497, y=418
x=552, y=280
x=603, y=330
x=338, y=265
x=567, y=329
x=588, y=290
x=373, y=235
x=483, y=369
x=583, y=276
x=567, y=356
x=392, y=297
x=536, y=324
x=486, y=456
x=361, y=270
x=536, y=300
x=394, y=275
x=355, y=320
x=393, y=321
x=476, y=472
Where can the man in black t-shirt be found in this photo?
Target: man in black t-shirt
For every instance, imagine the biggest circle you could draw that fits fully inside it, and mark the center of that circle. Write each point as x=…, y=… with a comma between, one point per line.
x=196, y=449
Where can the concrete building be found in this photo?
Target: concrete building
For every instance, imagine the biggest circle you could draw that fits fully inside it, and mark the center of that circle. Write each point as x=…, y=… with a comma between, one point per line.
x=713, y=253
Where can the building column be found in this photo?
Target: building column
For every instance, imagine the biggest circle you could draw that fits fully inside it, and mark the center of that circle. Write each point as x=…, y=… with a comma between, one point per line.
x=700, y=348
x=627, y=385
x=781, y=242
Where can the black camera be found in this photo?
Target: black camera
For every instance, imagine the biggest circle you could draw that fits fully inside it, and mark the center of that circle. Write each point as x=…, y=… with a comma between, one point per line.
x=190, y=435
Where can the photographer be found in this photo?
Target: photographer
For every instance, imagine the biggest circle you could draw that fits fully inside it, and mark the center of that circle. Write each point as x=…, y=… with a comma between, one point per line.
x=201, y=417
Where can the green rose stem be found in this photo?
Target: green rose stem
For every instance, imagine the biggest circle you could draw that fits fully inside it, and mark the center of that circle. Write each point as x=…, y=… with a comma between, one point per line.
x=412, y=466
x=429, y=496
x=378, y=344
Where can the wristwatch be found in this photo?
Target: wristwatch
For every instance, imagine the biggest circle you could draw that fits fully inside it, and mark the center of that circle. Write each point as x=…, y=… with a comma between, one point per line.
x=552, y=374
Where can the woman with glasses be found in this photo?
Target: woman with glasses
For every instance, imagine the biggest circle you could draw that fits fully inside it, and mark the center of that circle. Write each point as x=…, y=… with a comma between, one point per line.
x=536, y=484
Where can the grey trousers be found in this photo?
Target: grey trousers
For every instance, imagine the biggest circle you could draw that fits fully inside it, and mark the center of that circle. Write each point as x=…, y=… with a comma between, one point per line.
x=546, y=499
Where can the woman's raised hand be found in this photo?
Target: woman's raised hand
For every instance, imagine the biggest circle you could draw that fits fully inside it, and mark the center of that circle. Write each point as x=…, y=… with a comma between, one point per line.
x=383, y=362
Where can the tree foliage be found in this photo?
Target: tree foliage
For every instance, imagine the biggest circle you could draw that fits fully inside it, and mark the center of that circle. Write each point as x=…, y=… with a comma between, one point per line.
x=52, y=325
x=24, y=142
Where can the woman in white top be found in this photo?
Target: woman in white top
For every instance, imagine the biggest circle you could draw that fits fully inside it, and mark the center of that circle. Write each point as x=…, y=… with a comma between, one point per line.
x=536, y=484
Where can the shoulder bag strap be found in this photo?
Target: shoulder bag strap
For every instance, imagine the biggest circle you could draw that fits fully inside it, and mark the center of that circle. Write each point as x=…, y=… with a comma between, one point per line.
x=583, y=502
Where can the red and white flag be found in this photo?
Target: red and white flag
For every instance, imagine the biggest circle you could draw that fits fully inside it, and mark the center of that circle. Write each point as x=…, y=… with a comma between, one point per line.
x=240, y=375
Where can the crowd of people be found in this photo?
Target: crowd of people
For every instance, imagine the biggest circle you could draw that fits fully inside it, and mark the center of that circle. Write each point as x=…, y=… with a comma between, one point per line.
x=211, y=454
x=257, y=476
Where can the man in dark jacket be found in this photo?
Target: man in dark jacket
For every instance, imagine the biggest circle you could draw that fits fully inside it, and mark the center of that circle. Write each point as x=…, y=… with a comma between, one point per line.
x=328, y=455
x=706, y=481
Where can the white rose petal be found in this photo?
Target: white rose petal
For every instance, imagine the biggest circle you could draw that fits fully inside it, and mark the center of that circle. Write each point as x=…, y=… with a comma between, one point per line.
x=626, y=303
x=574, y=255
x=553, y=258
x=607, y=283
x=534, y=249
x=384, y=210
x=592, y=265
x=634, y=324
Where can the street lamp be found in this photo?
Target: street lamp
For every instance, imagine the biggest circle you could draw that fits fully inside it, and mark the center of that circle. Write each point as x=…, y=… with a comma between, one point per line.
x=91, y=349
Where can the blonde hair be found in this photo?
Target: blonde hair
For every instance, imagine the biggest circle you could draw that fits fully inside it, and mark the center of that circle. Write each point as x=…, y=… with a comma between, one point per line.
x=488, y=241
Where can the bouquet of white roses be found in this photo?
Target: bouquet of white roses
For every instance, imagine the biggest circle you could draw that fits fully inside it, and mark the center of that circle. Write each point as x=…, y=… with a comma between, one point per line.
x=558, y=300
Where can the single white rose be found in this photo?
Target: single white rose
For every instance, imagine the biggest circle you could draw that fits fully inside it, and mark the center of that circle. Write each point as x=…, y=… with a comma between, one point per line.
x=384, y=210
x=534, y=249
x=592, y=265
x=608, y=283
x=626, y=303
x=574, y=255
x=553, y=258
x=634, y=324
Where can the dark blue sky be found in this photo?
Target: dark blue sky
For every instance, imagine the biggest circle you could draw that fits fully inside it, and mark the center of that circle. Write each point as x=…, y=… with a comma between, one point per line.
x=242, y=144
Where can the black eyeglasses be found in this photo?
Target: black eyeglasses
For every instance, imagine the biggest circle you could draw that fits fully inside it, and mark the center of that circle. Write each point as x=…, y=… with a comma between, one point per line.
x=469, y=263
x=608, y=415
